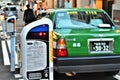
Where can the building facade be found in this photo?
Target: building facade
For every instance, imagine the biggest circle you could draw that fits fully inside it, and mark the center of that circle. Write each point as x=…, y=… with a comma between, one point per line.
x=99, y=4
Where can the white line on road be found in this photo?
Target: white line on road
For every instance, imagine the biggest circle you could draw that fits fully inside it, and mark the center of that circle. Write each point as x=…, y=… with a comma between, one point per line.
x=117, y=77
x=5, y=54
x=1, y=30
x=16, y=56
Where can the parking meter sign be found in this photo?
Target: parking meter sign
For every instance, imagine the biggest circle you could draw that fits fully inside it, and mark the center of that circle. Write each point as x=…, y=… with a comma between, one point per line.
x=36, y=51
x=36, y=55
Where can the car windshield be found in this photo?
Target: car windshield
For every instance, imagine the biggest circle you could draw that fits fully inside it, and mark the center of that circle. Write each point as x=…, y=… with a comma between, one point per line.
x=82, y=19
x=10, y=8
x=13, y=9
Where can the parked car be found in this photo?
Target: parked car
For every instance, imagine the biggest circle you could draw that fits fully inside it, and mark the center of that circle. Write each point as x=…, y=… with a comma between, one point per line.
x=85, y=40
x=10, y=9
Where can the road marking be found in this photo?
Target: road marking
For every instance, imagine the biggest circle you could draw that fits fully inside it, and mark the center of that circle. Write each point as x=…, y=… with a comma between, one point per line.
x=1, y=28
x=18, y=76
x=5, y=54
x=4, y=49
x=9, y=47
x=117, y=77
x=1, y=33
x=6, y=58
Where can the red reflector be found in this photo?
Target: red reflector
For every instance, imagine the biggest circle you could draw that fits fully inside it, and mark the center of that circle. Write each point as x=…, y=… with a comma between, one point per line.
x=61, y=52
x=40, y=34
x=44, y=34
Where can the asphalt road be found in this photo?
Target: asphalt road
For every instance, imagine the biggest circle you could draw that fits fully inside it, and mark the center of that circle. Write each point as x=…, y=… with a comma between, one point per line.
x=5, y=73
x=87, y=76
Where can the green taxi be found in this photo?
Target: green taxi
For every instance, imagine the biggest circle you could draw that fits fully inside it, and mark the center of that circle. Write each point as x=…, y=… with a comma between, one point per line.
x=85, y=40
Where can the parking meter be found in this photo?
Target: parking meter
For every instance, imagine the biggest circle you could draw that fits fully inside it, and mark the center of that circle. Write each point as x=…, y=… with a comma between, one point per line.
x=11, y=28
x=36, y=50
x=11, y=24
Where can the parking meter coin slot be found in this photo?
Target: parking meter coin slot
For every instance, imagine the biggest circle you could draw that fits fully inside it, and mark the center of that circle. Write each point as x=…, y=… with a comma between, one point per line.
x=34, y=76
x=42, y=74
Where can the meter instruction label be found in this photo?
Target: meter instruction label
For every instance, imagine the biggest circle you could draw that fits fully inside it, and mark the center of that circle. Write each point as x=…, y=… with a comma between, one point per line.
x=36, y=55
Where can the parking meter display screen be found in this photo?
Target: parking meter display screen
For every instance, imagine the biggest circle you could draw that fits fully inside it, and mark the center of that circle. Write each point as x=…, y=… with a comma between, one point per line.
x=39, y=32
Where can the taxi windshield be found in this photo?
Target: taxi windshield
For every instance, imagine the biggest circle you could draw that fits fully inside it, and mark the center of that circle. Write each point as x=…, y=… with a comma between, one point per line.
x=81, y=19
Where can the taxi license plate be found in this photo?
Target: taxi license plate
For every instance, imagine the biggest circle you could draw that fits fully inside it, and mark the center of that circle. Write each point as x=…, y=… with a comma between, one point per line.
x=101, y=46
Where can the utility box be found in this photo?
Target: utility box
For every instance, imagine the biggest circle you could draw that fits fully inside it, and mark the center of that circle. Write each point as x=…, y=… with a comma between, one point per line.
x=36, y=50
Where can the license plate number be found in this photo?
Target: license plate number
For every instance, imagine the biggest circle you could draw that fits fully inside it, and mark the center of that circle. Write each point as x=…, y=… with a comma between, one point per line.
x=97, y=46
x=100, y=46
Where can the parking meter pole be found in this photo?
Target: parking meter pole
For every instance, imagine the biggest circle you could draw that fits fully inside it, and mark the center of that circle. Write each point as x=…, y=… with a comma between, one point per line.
x=14, y=26
x=51, y=54
x=12, y=67
x=13, y=48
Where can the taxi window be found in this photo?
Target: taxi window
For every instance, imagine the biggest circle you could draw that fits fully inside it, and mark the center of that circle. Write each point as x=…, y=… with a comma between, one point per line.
x=69, y=20
x=88, y=17
x=81, y=19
